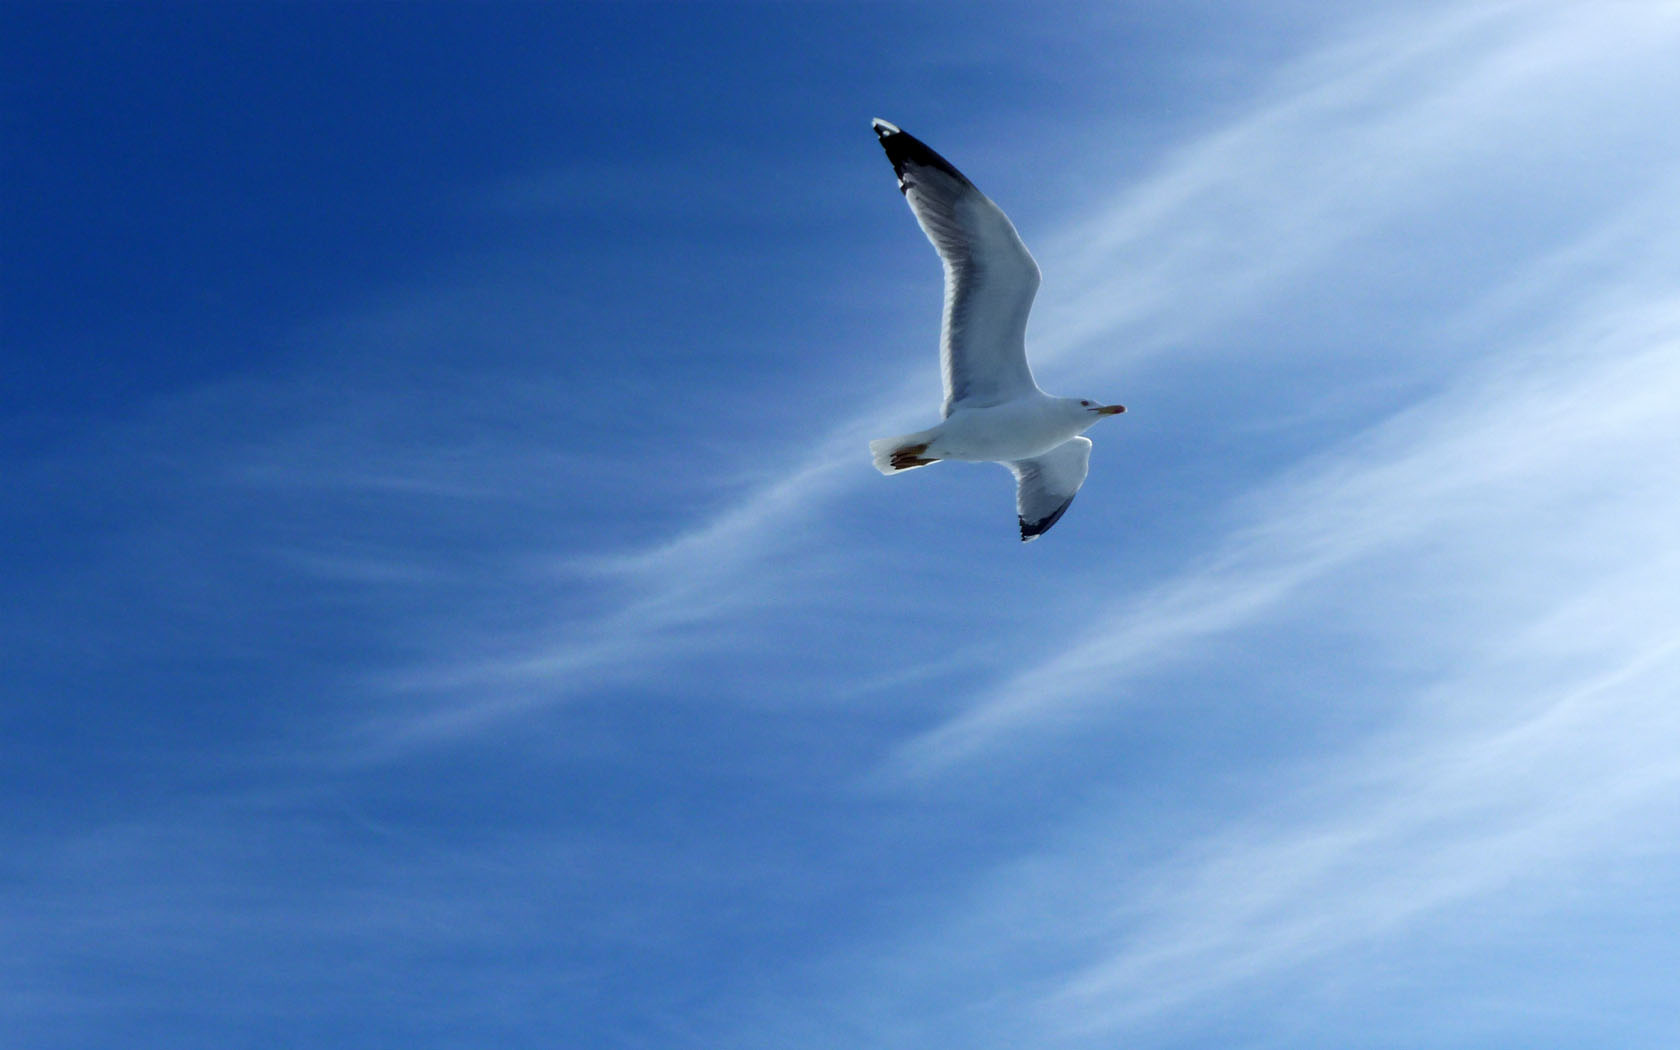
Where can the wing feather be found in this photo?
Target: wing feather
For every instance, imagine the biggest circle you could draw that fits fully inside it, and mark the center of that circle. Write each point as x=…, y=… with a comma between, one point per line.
x=990, y=277
x=1045, y=485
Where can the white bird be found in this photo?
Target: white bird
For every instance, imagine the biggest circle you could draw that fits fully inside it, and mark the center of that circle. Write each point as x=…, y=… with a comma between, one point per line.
x=993, y=411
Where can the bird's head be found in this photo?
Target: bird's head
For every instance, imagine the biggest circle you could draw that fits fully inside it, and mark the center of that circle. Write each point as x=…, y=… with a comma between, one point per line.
x=1091, y=411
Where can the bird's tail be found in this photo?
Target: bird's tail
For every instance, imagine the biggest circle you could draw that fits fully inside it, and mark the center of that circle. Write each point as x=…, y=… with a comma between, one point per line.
x=903, y=452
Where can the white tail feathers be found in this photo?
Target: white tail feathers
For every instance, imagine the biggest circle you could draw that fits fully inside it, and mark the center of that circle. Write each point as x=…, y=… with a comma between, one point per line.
x=905, y=452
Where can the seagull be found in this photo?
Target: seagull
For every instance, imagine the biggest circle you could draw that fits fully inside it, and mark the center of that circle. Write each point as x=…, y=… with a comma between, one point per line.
x=994, y=412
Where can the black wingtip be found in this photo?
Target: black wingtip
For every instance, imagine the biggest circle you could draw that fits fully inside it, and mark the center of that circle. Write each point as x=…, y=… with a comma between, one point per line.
x=1032, y=530
x=905, y=149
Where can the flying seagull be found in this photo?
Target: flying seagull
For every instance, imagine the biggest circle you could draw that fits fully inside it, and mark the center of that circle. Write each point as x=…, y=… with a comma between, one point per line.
x=993, y=410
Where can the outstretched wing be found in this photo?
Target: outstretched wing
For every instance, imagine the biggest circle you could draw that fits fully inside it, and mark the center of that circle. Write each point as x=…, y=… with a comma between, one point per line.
x=990, y=278
x=1045, y=485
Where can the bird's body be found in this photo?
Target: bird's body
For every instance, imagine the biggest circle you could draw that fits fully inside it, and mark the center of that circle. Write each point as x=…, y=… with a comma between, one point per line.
x=1021, y=428
x=994, y=411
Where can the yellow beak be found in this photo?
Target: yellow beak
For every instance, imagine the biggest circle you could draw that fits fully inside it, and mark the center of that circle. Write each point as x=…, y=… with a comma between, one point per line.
x=1111, y=410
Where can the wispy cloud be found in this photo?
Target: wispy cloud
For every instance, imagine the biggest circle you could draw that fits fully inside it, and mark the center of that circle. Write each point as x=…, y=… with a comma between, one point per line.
x=1565, y=760
x=1495, y=570
x=1395, y=121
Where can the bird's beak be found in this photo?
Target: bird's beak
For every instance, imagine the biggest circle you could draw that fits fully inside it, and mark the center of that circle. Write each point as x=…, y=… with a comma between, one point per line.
x=1111, y=410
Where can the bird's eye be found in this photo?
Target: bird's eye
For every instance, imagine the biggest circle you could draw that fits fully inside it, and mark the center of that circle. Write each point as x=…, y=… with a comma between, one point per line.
x=1087, y=404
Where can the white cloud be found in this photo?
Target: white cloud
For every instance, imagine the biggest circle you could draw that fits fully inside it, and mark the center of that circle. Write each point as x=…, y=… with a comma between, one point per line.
x=1572, y=767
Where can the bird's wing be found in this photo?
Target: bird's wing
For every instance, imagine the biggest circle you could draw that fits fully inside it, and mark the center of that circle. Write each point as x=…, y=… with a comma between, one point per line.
x=990, y=278
x=1045, y=485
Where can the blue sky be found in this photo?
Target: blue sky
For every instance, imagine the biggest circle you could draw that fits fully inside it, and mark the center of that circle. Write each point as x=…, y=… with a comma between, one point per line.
x=449, y=603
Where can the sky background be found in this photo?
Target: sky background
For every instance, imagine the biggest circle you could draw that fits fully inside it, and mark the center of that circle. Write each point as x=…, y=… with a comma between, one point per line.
x=448, y=602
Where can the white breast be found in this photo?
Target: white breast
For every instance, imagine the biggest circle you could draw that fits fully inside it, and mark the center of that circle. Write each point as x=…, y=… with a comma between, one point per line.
x=1018, y=429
